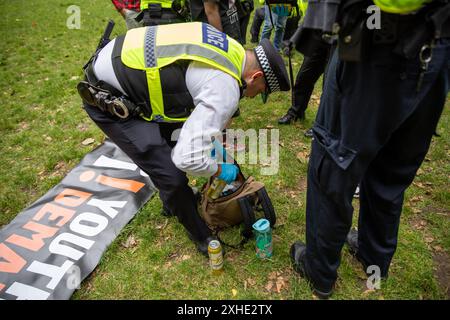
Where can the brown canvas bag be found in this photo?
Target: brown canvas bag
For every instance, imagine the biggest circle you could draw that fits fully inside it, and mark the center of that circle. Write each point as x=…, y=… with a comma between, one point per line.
x=241, y=206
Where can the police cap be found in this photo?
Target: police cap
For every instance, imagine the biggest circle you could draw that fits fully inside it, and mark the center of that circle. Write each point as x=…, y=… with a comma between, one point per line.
x=273, y=67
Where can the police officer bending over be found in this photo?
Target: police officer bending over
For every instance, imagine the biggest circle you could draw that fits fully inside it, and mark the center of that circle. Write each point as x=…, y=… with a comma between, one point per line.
x=144, y=85
x=374, y=125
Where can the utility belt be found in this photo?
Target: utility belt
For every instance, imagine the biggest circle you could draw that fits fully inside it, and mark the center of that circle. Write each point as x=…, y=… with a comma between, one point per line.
x=104, y=96
x=155, y=14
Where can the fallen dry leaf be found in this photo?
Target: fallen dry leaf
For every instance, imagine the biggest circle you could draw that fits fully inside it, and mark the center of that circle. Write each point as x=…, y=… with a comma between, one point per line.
x=368, y=291
x=130, y=242
x=429, y=239
x=185, y=257
x=416, y=198
x=234, y=292
x=88, y=141
x=162, y=226
x=302, y=156
x=269, y=286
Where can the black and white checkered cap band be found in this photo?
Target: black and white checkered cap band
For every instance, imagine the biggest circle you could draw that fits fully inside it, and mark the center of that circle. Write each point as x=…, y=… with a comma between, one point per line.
x=271, y=79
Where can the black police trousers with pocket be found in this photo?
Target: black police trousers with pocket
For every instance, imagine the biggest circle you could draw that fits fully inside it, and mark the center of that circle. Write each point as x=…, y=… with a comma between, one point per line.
x=149, y=145
x=373, y=127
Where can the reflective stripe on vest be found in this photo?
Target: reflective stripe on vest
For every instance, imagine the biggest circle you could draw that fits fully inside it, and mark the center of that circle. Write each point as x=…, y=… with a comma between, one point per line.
x=152, y=48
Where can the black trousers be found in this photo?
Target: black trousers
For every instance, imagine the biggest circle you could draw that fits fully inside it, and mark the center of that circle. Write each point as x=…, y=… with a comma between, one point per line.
x=310, y=71
x=149, y=145
x=258, y=20
x=373, y=127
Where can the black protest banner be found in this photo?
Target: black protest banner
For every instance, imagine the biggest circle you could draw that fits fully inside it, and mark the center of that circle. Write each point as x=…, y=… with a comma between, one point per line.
x=58, y=241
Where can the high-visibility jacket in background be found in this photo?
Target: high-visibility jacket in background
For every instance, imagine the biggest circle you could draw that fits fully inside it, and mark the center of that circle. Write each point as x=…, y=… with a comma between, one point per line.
x=400, y=6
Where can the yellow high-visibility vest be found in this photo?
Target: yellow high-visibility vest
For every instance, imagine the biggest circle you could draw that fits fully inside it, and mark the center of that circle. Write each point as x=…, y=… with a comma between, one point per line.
x=167, y=4
x=400, y=6
x=152, y=48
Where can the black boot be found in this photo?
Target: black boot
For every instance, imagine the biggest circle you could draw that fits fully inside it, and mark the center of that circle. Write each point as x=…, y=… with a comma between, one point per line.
x=287, y=119
x=353, y=248
x=166, y=212
x=202, y=246
x=309, y=133
x=297, y=253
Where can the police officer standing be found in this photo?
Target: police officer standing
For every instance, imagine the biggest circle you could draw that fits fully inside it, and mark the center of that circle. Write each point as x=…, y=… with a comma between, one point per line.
x=374, y=126
x=221, y=14
x=156, y=12
x=143, y=86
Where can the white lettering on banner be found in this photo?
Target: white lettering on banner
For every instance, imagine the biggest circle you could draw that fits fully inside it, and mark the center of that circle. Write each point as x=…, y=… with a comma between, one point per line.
x=107, y=206
x=74, y=278
x=87, y=230
x=104, y=161
x=51, y=271
x=26, y=292
x=57, y=247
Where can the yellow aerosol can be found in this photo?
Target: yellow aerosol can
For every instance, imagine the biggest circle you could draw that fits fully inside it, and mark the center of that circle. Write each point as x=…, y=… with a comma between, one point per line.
x=215, y=257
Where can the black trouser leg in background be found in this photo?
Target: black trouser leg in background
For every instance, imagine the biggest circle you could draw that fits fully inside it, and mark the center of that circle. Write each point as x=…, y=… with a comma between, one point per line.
x=310, y=71
x=149, y=145
x=258, y=20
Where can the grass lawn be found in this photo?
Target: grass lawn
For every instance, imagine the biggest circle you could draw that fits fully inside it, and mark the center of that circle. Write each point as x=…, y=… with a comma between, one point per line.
x=42, y=128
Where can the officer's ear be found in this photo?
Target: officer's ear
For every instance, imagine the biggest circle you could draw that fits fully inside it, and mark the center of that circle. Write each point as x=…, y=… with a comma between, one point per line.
x=257, y=74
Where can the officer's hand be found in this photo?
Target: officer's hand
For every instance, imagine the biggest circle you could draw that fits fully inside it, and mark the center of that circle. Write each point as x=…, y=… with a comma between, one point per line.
x=218, y=151
x=228, y=172
x=281, y=10
x=288, y=46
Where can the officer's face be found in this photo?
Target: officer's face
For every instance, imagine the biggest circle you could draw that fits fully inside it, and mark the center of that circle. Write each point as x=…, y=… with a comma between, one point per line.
x=256, y=84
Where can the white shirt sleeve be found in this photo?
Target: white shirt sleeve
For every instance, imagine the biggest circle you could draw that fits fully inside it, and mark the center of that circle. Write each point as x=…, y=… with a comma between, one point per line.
x=216, y=97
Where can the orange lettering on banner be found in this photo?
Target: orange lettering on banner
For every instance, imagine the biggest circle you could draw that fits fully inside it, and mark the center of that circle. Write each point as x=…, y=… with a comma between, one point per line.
x=14, y=263
x=36, y=242
x=56, y=212
x=124, y=184
x=72, y=197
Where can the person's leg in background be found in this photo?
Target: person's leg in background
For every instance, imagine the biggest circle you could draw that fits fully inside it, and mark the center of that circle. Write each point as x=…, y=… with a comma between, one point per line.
x=310, y=71
x=247, y=7
x=280, y=25
x=258, y=20
x=267, y=25
x=291, y=27
x=150, y=146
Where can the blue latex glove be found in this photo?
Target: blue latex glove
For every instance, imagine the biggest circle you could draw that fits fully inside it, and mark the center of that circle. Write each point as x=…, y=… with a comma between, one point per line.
x=219, y=150
x=228, y=173
x=281, y=10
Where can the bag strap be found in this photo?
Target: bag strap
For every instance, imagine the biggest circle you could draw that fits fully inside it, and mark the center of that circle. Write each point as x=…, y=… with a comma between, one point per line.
x=266, y=206
x=243, y=241
x=249, y=218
